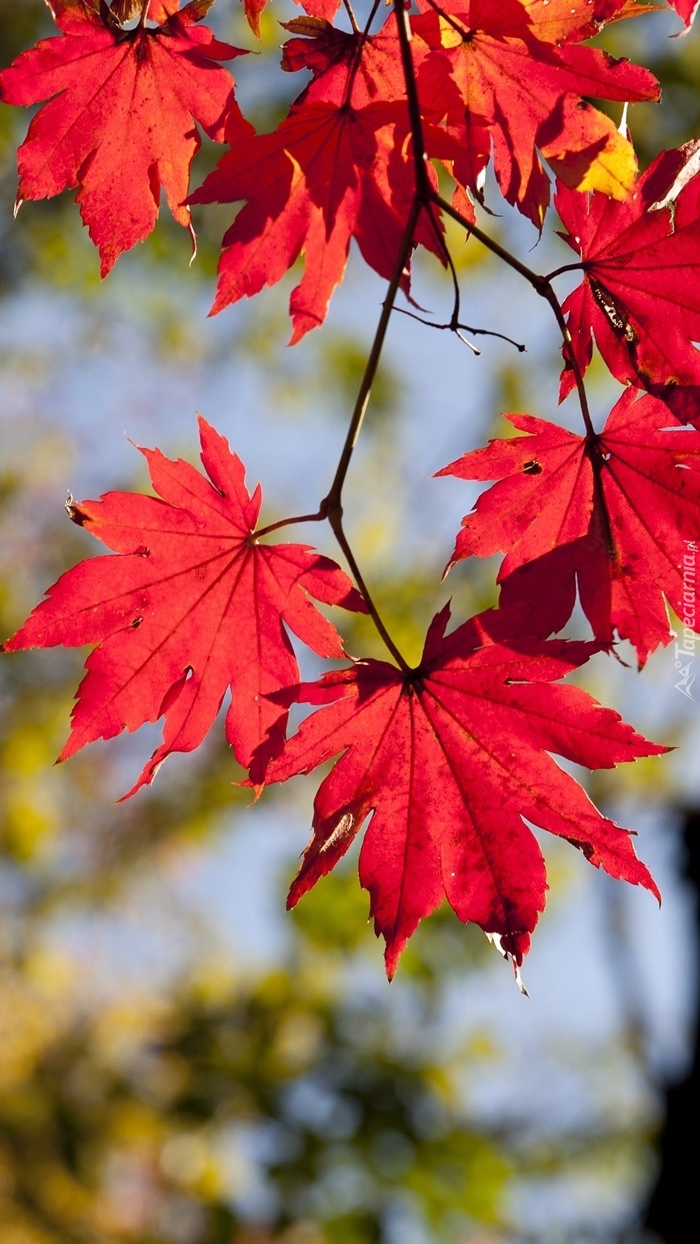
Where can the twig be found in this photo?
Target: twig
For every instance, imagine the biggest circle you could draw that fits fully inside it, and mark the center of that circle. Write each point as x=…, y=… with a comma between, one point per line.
x=456, y=327
x=332, y=499
x=351, y=15
x=541, y=285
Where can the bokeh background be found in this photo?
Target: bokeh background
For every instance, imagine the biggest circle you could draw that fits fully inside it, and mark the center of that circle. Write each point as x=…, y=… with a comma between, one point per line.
x=181, y=1062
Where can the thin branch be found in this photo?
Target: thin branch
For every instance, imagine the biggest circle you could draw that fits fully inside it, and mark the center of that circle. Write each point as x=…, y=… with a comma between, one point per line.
x=456, y=327
x=538, y=283
x=370, y=19
x=541, y=285
x=423, y=186
x=351, y=15
x=442, y=243
x=332, y=499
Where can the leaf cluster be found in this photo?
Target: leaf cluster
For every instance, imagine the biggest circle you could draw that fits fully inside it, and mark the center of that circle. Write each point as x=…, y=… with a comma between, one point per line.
x=400, y=124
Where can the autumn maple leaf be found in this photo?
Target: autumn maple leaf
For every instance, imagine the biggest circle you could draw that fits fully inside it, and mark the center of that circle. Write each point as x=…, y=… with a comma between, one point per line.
x=640, y=297
x=322, y=9
x=192, y=605
x=120, y=123
x=339, y=166
x=347, y=67
x=614, y=512
x=686, y=9
x=324, y=176
x=558, y=21
x=450, y=758
x=496, y=84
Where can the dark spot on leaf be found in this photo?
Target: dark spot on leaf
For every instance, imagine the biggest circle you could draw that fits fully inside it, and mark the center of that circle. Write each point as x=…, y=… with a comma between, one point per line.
x=615, y=313
x=136, y=623
x=532, y=467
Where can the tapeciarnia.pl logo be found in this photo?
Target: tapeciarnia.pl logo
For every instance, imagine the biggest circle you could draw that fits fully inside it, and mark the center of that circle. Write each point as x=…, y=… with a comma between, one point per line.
x=685, y=651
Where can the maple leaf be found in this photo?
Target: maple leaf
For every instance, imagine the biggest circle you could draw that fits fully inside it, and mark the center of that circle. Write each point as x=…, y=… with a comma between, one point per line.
x=347, y=67
x=640, y=297
x=497, y=85
x=120, y=123
x=449, y=759
x=557, y=21
x=323, y=9
x=686, y=9
x=191, y=605
x=339, y=166
x=615, y=512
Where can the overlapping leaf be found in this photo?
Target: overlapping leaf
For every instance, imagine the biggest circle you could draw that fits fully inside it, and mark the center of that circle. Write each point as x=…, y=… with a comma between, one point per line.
x=640, y=297
x=338, y=167
x=119, y=124
x=449, y=760
x=192, y=605
x=686, y=9
x=615, y=513
x=498, y=85
x=323, y=9
x=561, y=21
x=346, y=67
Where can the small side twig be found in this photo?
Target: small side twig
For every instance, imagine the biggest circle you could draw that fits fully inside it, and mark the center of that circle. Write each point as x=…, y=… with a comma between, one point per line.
x=458, y=328
x=353, y=20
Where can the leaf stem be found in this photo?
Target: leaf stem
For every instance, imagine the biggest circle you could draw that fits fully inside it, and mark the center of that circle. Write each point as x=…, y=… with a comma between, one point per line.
x=566, y=267
x=539, y=283
x=318, y=517
x=335, y=518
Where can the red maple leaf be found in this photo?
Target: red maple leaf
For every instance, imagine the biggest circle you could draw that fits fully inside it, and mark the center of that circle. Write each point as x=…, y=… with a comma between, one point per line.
x=347, y=67
x=616, y=512
x=640, y=297
x=450, y=758
x=120, y=123
x=686, y=9
x=497, y=85
x=192, y=605
x=339, y=166
x=323, y=9
x=558, y=21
